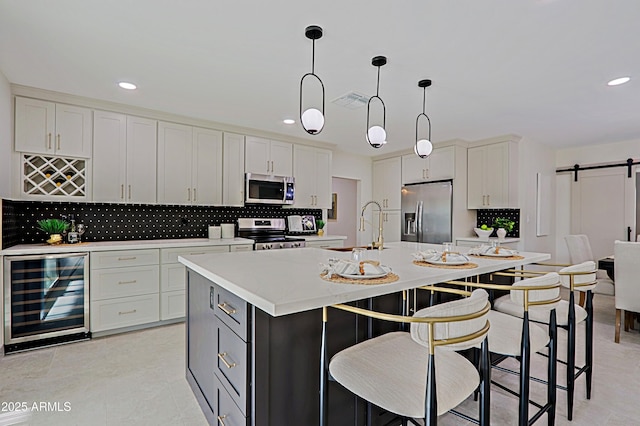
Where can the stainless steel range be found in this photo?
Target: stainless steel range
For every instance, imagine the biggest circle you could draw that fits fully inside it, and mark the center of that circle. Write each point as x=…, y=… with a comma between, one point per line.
x=268, y=234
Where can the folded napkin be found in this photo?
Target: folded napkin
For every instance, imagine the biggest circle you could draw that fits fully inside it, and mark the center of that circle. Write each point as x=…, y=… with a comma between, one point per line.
x=438, y=256
x=486, y=249
x=348, y=267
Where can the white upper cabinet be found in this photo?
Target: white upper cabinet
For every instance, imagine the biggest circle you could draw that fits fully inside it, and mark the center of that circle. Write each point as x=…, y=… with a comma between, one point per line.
x=440, y=165
x=267, y=157
x=387, y=182
x=492, y=176
x=189, y=165
x=233, y=170
x=312, y=171
x=391, y=226
x=124, y=163
x=43, y=127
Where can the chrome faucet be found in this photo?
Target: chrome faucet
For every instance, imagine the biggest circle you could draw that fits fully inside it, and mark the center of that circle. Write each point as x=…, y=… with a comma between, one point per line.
x=376, y=244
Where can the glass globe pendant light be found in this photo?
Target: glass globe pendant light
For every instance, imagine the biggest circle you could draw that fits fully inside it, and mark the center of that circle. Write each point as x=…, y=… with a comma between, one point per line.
x=312, y=119
x=377, y=135
x=423, y=147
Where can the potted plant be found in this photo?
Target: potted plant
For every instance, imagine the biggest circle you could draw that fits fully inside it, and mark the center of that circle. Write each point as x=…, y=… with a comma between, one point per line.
x=504, y=225
x=320, y=227
x=53, y=227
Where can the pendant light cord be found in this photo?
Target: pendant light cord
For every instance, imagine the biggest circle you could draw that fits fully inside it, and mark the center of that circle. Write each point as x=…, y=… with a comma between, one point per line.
x=313, y=57
x=378, y=83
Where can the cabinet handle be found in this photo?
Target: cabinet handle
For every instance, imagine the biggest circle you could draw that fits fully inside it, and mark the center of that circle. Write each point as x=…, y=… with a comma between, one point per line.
x=129, y=191
x=483, y=198
x=267, y=165
x=488, y=200
x=133, y=311
x=227, y=363
x=188, y=194
x=49, y=141
x=127, y=258
x=221, y=419
x=58, y=146
x=122, y=191
x=194, y=194
x=272, y=167
x=226, y=308
x=127, y=282
x=427, y=171
x=191, y=254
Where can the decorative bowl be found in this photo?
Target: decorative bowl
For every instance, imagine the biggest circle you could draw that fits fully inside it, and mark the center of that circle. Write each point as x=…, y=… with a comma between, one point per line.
x=483, y=234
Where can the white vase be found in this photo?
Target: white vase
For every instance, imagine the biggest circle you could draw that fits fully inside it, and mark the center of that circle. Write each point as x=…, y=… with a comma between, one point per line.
x=501, y=233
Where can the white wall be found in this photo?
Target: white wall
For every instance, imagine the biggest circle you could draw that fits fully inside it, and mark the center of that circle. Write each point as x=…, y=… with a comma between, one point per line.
x=534, y=158
x=346, y=165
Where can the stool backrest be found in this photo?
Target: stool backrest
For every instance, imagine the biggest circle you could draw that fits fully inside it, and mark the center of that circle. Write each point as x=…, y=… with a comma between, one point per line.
x=582, y=281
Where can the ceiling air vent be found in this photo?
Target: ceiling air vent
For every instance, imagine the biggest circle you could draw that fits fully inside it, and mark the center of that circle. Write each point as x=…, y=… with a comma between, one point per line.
x=351, y=100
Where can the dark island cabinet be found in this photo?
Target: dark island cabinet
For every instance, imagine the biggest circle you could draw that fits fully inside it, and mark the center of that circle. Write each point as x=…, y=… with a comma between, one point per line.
x=246, y=367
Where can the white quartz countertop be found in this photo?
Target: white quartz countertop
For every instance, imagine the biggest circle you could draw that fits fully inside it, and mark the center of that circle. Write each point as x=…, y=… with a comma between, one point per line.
x=120, y=245
x=282, y=282
x=316, y=237
x=484, y=240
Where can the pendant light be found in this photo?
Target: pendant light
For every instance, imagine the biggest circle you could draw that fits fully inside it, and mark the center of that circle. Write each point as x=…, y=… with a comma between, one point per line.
x=377, y=135
x=312, y=119
x=423, y=147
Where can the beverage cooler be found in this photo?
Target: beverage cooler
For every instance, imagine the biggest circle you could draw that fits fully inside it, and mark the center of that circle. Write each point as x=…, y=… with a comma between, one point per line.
x=46, y=300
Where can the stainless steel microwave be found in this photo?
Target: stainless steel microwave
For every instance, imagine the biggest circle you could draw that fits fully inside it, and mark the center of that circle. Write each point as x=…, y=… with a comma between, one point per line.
x=264, y=189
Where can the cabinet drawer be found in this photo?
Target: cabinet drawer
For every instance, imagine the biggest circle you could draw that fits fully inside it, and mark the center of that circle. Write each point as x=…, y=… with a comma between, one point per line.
x=122, y=282
x=241, y=247
x=172, y=305
x=122, y=258
x=231, y=365
x=172, y=277
x=227, y=413
x=124, y=312
x=325, y=243
x=231, y=310
x=171, y=255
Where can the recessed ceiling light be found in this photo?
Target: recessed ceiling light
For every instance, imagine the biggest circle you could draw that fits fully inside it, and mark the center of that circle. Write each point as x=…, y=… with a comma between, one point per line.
x=288, y=121
x=127, y=85
x=618, y=81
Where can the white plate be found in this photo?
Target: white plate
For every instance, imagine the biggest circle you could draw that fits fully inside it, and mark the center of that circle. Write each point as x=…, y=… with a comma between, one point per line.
x=448, y=262
x=498, y=254
x=366, y=277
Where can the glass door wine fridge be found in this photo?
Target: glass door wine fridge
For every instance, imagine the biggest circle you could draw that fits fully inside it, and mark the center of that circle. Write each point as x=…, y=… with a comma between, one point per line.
x=46, y=300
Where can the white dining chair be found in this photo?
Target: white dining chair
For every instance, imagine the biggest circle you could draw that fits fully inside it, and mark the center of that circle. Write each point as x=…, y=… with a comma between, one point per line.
x=579, y=252
x=627, y=270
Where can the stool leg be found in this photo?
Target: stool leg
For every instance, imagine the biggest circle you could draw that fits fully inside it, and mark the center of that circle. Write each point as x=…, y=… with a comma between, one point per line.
x=552, y=368
x=485, y=386
x=571, y=355
x=589, y=342
x=525, y=365
x=616, y=338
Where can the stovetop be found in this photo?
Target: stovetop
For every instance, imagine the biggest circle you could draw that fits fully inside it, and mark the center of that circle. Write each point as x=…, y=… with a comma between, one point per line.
x=273, y=238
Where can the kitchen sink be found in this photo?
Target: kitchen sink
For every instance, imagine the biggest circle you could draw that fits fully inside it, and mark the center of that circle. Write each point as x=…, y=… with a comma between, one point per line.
x=351, y=248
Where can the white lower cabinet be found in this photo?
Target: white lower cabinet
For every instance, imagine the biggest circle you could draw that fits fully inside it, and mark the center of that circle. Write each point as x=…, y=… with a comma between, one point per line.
x=325, y=243
x=124, y=289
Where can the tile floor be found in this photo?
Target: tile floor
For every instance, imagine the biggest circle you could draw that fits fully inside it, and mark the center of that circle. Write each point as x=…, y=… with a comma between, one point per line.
x=138, y=379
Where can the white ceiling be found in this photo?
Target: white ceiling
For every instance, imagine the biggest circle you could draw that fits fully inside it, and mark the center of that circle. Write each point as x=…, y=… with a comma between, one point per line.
x=536, y=68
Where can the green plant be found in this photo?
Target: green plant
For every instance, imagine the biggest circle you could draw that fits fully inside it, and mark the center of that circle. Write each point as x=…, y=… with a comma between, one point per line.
x=503, y=222
x=53, y=226
x=319, y=223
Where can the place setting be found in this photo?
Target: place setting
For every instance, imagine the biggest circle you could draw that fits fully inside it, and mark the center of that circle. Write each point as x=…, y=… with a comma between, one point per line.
x=357, y=270
x=443, y=259
x=495, y=251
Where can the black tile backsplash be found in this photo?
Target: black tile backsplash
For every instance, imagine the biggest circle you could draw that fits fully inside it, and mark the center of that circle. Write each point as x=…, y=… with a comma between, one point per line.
x=489, y=215
x=117, y=222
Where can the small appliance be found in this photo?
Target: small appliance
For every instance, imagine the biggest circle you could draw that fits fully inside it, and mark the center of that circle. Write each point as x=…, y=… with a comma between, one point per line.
x=265, y=189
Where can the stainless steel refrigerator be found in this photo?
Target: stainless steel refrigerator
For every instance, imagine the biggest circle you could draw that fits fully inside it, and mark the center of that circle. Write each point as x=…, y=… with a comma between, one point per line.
x=427, y=211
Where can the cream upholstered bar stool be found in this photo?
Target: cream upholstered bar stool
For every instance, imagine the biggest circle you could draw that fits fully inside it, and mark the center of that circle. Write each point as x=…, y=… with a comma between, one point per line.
x=514, y=337
x=416, y=374
x=582, y=278
x=627, y=269
x=579, y=252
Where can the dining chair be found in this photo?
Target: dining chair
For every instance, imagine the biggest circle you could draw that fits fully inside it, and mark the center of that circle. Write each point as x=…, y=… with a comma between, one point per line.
x=518, y=338
x=580, y=251
x=580, y=278
x=416, y=374
x=627, y=270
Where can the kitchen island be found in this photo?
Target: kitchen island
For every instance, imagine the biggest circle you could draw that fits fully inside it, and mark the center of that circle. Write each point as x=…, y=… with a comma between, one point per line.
x=254, y=325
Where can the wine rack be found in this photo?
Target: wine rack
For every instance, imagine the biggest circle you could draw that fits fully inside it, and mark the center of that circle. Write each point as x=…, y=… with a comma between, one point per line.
x=54, y=176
